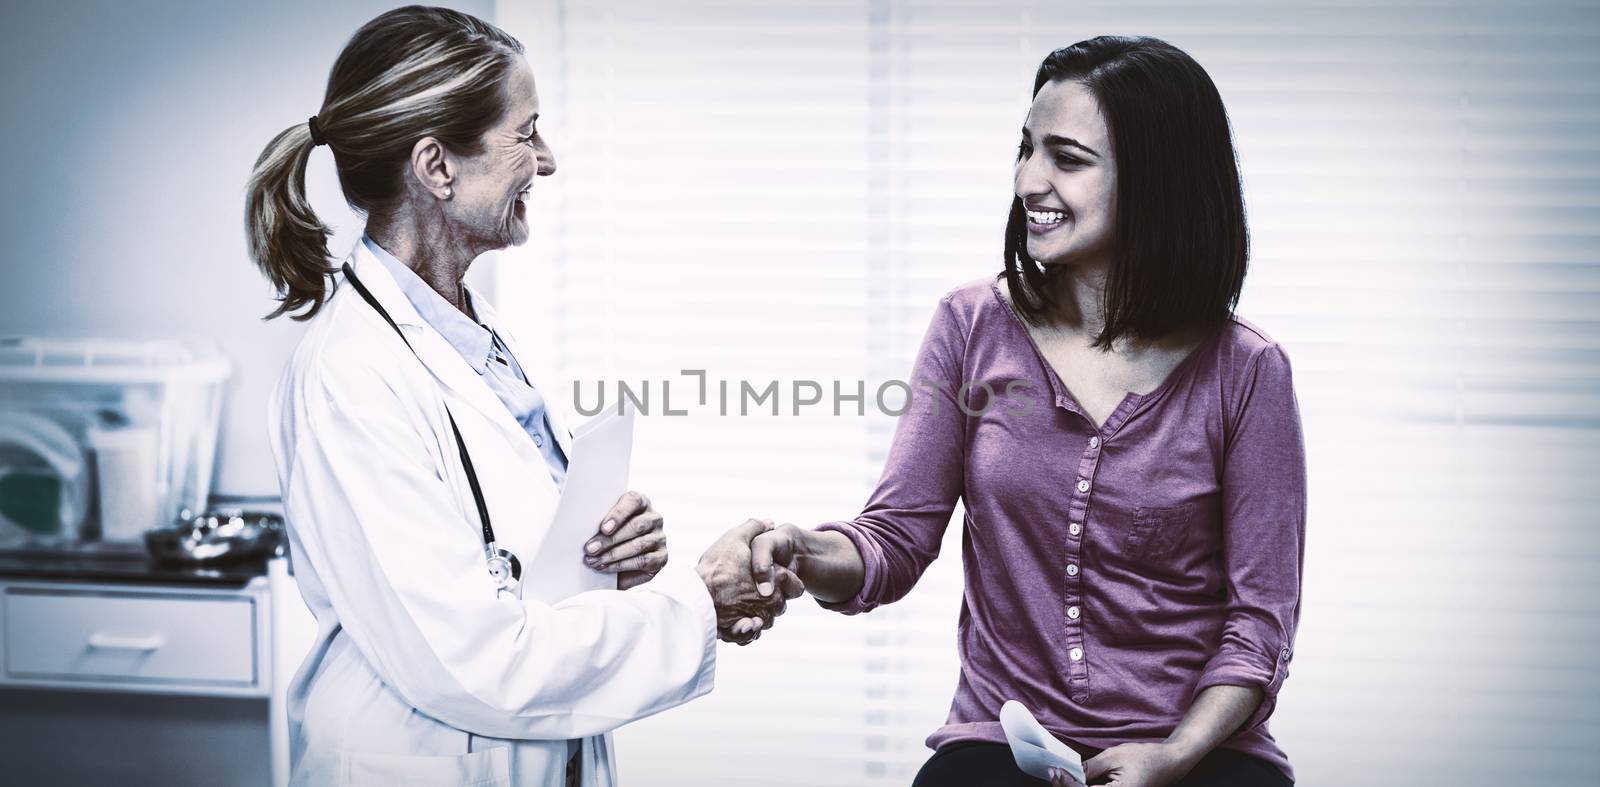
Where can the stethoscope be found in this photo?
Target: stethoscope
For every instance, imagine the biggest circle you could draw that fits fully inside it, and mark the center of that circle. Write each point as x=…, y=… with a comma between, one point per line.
x=504, y=567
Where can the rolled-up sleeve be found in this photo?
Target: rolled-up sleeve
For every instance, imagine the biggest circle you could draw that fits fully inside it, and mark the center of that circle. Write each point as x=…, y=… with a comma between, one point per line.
x=899, y=532
x=1264, y=521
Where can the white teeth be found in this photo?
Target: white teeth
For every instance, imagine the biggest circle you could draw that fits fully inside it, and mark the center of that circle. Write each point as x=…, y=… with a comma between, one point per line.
x=1046, y=216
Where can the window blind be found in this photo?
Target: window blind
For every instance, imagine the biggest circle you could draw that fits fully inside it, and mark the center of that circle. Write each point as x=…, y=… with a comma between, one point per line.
x=782, y=191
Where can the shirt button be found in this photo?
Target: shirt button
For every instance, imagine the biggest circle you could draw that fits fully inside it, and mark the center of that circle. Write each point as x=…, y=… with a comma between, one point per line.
x=538, y=441
x=1285, y=655
x=1075, y=528
x=1076, y=654
x=1083, y=485
x=1072, y=612
x=1094, y=442
x=1072, y=569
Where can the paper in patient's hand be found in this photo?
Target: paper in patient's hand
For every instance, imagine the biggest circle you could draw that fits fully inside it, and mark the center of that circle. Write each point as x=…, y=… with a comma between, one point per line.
x=597, y=474
x=1035, y=749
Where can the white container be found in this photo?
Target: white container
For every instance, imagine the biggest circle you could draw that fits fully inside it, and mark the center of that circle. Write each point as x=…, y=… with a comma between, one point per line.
x=146, y=412
x=127, y=479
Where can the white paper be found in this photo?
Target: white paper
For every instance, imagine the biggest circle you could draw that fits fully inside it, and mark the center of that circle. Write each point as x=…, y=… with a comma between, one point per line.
x=1035, y=749
x=597, y=474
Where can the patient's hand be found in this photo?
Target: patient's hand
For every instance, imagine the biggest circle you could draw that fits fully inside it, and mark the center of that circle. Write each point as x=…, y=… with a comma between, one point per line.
x=743, y=613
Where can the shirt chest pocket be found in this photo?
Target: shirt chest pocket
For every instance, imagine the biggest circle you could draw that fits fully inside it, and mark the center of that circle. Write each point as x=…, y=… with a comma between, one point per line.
x=1159, y=532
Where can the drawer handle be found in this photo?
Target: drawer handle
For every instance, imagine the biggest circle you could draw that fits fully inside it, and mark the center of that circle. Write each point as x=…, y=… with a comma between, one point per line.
x=107, y=642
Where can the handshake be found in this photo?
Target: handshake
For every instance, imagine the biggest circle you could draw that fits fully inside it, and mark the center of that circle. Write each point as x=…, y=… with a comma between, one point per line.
x=752, y=572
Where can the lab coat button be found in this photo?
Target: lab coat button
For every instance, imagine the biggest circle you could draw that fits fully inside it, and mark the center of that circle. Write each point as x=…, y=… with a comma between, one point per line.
x=1094, y=442
x=1075, y=528
x=538, y=441
x=1072, y=569
x=1083, y=485
x=1072, y=612
x=1076, y=654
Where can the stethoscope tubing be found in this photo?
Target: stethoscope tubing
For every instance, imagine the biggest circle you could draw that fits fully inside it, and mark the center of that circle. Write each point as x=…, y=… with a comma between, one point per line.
x=490, y=549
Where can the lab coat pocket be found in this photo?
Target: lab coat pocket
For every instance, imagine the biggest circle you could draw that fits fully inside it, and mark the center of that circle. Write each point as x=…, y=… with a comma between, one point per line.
x=1159, y=532
x=487, y=768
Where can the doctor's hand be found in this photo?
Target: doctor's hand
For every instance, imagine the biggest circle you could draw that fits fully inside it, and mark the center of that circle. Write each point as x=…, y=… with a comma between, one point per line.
x=631, y=542
x=742, y=612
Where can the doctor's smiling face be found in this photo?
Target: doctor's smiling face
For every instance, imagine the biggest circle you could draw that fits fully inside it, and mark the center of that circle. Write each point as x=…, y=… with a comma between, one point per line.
x=491, y=188
x=1066, y=177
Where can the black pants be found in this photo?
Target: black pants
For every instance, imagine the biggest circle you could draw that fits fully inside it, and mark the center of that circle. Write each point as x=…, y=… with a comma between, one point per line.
x=991, y=765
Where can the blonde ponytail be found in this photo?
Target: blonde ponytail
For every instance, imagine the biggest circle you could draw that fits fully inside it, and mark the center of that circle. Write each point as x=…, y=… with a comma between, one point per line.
x=409, y=73
x=287, y=240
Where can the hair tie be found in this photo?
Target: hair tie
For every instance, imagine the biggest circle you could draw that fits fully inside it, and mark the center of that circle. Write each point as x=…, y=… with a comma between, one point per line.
x=316, y=133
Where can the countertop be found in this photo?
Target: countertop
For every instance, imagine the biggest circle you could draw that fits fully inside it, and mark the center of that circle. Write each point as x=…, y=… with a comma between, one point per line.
x=113, y=562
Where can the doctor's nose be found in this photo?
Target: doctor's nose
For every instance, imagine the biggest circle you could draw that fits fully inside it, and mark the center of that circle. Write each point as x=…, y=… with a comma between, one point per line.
x=547, y=160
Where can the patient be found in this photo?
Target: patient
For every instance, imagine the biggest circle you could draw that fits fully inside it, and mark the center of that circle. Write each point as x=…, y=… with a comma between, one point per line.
x=1128, y=453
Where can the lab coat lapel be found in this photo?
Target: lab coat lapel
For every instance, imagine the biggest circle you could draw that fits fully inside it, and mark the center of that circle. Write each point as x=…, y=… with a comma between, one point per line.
x=554, y=409
x=436, y=353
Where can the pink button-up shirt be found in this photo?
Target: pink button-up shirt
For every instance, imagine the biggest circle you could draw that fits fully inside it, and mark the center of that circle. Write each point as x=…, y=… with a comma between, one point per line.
x=1111, y=574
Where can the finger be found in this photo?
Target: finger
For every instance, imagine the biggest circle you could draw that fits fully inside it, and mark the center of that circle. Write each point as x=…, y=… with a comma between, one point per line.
x=773, y=612
x=649, y=562
x=650, y=542
x=629, y=504
x=640, y=525
x=789, y=583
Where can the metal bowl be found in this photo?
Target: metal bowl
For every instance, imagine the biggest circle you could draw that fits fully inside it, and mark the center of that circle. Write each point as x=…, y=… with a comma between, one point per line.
x=220, y=536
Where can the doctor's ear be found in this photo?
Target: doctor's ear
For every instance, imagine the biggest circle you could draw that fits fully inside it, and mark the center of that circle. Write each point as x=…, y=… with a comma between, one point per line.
x=433, y=167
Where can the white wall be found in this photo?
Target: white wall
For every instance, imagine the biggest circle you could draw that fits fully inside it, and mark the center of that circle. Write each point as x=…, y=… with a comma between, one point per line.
x=130, y=131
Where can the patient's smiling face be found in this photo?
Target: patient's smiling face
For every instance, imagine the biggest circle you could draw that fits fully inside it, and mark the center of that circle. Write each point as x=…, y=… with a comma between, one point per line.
x=1066, y=177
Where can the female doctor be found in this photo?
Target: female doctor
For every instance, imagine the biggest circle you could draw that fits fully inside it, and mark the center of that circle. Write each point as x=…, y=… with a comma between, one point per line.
x=417, y=460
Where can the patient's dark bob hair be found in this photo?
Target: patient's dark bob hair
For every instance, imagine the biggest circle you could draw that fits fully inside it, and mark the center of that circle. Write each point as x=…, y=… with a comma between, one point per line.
x=1180, y=245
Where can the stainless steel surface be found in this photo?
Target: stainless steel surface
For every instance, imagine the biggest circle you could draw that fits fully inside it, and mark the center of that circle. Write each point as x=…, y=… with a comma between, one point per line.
x=218, y=536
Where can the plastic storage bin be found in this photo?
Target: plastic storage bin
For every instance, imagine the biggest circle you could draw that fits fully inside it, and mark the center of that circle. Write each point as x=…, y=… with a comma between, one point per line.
x=105, y=437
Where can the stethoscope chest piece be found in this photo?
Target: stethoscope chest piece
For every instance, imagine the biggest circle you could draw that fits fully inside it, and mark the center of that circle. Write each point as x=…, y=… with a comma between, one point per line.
x=504, y=567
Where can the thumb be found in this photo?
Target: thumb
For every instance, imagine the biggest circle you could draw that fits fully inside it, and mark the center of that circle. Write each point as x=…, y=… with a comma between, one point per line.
x=762, y=557
x=788, y=583
x=769, y=552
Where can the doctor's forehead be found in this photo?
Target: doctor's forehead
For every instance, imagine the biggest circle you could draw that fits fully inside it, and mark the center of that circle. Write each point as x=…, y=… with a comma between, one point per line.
x=521, y=95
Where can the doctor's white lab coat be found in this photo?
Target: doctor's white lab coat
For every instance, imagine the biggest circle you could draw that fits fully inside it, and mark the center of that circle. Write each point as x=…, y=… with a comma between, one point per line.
x=422, y=674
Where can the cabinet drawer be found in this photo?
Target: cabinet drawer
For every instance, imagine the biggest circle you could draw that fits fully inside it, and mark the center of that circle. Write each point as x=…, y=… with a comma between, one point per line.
x=130, y=638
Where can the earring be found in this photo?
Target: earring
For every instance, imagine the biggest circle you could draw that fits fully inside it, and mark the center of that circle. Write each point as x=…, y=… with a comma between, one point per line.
x=447, y=192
